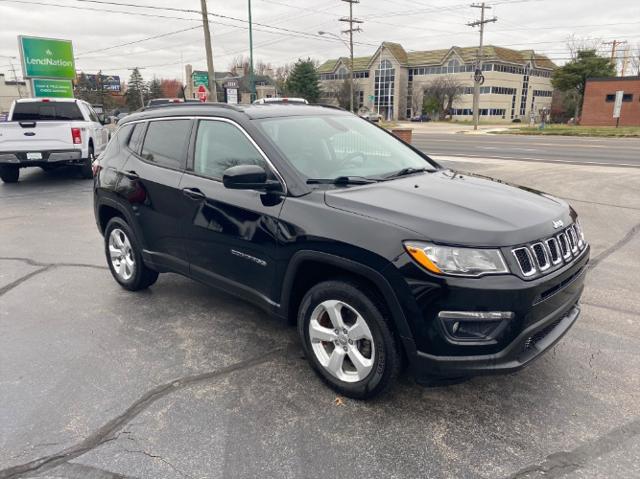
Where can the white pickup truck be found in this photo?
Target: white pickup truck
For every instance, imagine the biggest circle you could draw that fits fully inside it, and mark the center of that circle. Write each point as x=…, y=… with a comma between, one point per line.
x=50, y=132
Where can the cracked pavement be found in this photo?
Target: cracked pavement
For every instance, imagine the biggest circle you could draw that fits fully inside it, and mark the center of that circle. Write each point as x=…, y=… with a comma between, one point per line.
x=182, y=381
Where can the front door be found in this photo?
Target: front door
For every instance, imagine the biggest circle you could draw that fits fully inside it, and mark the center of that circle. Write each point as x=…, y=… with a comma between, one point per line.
x=231, y=234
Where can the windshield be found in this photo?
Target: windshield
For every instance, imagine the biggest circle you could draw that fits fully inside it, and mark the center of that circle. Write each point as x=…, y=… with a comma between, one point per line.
x=336, y=146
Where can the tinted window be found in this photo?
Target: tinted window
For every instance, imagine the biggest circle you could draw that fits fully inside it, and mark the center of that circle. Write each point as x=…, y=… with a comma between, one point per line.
x=47, y=111
x=219, y=146
x=135, y=141
x=166, y=142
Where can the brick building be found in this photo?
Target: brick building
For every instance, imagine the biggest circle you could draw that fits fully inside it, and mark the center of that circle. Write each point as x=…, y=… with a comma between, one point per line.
x=517, y=82
x=600, y=97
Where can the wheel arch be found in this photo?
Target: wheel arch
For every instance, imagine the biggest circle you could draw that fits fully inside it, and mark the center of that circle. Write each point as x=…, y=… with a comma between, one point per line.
x=308, y=267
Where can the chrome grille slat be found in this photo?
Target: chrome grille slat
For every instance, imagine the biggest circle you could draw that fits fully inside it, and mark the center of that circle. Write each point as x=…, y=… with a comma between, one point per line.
x=540, y=256
x=525, y=262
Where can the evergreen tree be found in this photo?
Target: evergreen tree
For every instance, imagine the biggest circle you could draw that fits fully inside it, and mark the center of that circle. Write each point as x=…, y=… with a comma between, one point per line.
x=573, y=76
x=155, y=89
x=303, y=81
x=136, y=90
x=82, y=88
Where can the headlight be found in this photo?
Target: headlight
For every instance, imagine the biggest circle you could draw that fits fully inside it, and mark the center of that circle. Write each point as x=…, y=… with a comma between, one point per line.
x=457, y=261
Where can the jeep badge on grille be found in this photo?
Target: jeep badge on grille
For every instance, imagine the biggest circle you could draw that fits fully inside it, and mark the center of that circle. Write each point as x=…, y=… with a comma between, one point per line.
x=558, y=224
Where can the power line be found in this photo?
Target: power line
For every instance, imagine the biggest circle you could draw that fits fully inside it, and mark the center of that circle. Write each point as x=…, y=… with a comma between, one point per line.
x=162, y=35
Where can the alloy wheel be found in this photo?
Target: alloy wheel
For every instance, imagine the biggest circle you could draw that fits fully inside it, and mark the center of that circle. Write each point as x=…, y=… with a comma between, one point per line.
x=341, y=341
x=121, y=254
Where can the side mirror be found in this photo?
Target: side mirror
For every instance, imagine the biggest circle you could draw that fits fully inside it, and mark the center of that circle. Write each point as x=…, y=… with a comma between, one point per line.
x=248, y=177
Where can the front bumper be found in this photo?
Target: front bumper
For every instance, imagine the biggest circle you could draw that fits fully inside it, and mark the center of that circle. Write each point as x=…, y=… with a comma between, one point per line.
x=19, y=158
x=528, y=346
x=543, y=310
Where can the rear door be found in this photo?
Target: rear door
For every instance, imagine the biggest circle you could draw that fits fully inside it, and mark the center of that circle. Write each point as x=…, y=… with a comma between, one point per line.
x=231, y=234
x=150, y=181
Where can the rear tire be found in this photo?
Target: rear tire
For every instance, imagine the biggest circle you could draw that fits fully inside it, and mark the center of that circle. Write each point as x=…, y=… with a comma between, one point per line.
x=86, y=169
x=124, y=257
x=347, y=339
x=9, y=173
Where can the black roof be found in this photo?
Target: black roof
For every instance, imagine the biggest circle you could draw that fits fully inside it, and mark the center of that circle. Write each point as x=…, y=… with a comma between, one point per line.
x=223, y=109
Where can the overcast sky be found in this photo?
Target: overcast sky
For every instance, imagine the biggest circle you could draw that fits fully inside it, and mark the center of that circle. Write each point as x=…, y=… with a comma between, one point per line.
x=543, y=25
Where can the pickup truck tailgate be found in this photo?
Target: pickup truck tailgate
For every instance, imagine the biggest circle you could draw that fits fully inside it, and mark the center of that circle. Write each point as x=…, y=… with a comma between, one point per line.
x=35, y=136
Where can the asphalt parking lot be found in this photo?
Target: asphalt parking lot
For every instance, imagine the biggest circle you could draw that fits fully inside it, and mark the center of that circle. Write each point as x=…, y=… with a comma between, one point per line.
x=183, y=381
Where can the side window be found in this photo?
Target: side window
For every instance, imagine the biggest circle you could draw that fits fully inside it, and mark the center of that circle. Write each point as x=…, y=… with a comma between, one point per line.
x=135, y=140
x=220, y=145
x=92, y=115
x=166, y=142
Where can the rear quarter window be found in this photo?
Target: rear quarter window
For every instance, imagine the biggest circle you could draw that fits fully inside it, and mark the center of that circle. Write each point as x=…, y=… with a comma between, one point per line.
x=47, y=111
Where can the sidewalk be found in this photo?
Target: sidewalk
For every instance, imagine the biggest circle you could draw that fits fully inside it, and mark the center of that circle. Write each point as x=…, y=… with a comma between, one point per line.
x=452, y=127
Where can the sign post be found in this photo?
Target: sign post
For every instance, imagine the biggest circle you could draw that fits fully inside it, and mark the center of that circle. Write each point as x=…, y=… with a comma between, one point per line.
x=617, y=107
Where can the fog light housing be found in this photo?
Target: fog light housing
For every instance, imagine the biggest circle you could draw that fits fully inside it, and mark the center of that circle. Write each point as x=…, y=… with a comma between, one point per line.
x=474, y=325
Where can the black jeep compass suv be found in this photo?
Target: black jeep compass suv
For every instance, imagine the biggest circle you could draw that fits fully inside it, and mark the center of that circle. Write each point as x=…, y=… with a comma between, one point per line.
x=379, y=254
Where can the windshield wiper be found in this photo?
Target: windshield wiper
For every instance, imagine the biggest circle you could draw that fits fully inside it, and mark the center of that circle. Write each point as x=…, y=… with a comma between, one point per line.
x=341, y=180
x=406, y=171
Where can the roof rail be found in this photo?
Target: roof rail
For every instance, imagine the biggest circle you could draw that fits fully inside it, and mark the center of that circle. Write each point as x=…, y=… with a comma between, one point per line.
x=191, y=104
x=326, y=105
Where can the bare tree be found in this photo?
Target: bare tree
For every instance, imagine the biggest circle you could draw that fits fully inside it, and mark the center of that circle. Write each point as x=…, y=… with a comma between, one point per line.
x=635, y=59
x=441, y=92
x=260, y=67
x=577, y=44
x=417, y=98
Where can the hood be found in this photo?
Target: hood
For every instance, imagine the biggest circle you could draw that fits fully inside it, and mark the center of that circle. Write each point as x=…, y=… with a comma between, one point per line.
x=453, y=208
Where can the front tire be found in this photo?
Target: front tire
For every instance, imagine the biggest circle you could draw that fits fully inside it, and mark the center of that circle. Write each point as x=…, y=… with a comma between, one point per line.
x=124, y=256
x=9, y=173
x=348, y=340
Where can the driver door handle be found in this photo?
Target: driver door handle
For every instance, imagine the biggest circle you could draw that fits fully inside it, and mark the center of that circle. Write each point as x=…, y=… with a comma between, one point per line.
x=193, y=193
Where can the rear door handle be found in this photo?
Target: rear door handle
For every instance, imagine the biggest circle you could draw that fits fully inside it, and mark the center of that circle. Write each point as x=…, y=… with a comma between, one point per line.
x=194, y=194
x=132, y=175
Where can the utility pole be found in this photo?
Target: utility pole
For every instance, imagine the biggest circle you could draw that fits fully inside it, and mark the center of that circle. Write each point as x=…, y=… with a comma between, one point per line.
x=15, y=77
x=351, y=31
x=478, y=77
x=614, y=46
x=252, y=82
x=207, y=46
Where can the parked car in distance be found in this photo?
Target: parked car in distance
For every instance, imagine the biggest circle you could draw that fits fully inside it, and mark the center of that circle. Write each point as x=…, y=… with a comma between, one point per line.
x=50, y=132
x=380, y=255
x=421, y=118
x=371, y=116
x=264, y=101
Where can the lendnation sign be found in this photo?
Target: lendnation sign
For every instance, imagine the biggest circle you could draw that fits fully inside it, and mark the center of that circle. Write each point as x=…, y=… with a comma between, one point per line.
x=47, y=58
x=52, y=88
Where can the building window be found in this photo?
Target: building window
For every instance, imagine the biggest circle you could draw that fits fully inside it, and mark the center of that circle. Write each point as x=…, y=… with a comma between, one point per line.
x=610, y=98
x=385, y=88
x=627, y=97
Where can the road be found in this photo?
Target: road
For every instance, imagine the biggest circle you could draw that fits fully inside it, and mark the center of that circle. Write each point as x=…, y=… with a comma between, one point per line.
x=183, y=381
x=572, y=150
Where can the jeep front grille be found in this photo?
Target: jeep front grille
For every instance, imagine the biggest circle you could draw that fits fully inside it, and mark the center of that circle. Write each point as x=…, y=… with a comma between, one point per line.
x=541, y=256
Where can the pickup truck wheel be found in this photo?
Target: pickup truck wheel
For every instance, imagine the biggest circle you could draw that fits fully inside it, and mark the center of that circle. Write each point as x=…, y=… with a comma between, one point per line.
x=347, y=339
x=86, y=169
x=124, y=256
x=9, y=174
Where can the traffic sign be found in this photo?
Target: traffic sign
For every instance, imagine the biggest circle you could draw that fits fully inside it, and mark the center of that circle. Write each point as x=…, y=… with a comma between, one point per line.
x=202, y=93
